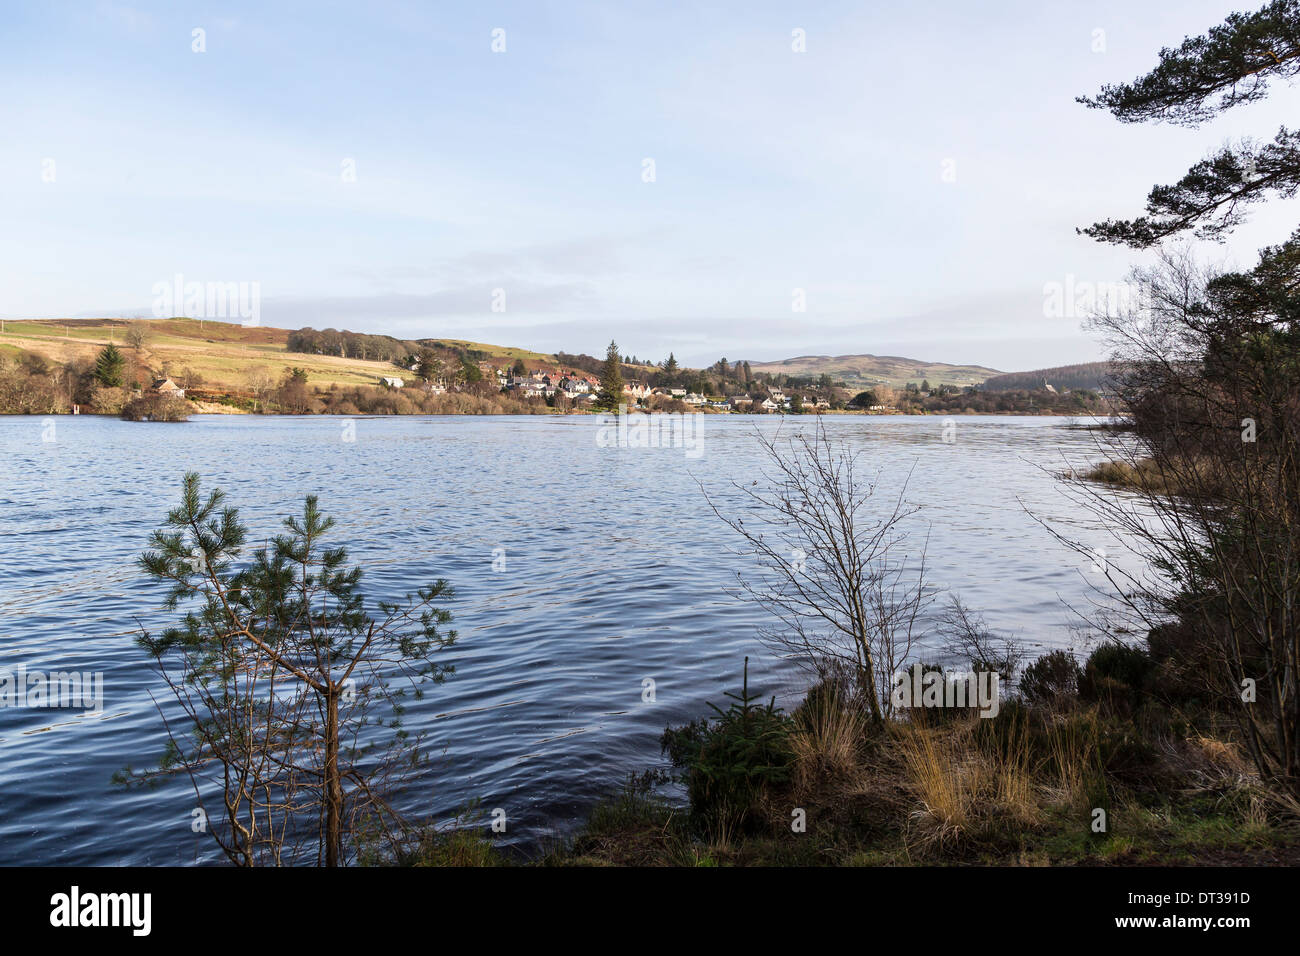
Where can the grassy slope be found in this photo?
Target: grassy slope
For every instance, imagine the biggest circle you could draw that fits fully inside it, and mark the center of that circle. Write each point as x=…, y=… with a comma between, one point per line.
x=863, y=371
x=225, y=354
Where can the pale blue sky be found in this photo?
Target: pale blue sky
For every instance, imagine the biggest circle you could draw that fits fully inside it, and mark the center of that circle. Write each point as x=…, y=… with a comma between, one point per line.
x=522, y=170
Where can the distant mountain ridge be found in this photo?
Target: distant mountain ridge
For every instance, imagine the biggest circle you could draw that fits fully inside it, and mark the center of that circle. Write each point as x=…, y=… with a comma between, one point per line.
x=864, y=371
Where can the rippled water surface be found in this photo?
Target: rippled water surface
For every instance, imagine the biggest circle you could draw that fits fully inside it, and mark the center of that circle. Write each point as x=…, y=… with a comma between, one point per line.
x=615, y=571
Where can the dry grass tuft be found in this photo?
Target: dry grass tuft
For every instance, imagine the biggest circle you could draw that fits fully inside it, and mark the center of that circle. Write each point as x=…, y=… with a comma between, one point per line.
x=965, y=789
x=828, y=743
x=1079, y=778
x=946, y=785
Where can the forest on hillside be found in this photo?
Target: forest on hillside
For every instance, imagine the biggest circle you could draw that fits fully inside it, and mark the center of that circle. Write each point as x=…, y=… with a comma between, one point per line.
x=1085, y=375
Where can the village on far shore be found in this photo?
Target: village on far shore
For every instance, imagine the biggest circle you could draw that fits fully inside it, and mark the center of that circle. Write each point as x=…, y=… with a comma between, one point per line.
x=167, y=369
x=581, y=389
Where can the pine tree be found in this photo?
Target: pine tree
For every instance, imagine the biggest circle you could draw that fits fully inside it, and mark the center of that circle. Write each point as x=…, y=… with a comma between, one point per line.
x=278, y=670
x=670, y=366
x=110, y=367
x=1232, y=64
x=470, y=372
x=610, y=395
x=430, y=366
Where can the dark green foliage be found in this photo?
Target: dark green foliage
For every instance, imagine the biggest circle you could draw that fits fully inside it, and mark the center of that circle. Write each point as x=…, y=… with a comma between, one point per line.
x=1212, y=197
x=918, y=713
x=470, y=372
x=1013, y=727
x=1210, y=383
x=291, y=694
x=610, y=395
x=729, y=760
x=1233, y=61
x=1116, y=675
x=1179, y=660
x=825, y=695
x=1053, y=677
x=1090, y=376
x=362, y=345
x=1232, y=64
x=110, y=367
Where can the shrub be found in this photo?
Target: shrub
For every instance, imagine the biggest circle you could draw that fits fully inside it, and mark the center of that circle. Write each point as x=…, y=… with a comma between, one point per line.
x=1180, y=659
x=289, y=696
x=919, y=713
x=1116, y=675
x=465, y=844
x=1051, y=679
x=1127, y=664
x=157, y=408
x=968, y=637
x=109, y=400
x=730, y=760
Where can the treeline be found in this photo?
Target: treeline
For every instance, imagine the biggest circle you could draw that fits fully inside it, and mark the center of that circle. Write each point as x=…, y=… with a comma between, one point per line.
x=31, y=384
x=369, y=400
x=356, y=345
x=1023, y=401
x=974, y=400
x=459, y=351
x=405, y=354
x=588, y=363
x=735, y=378
x=295, y=395
x=722, y=379
x=1087, y=375
x=113, y=383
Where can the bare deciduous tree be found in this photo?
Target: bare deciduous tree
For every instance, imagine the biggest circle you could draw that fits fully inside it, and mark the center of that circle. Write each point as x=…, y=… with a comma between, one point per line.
x=261, y=383
x=136, y=335
x=969, y=638
x=834, y=564
x=1210, y=380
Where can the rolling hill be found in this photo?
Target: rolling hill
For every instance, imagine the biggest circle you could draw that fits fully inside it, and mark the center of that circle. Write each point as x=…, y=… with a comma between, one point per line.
x=1090, y=375
x=227, y=354
x=224, y=354
x=863, y=371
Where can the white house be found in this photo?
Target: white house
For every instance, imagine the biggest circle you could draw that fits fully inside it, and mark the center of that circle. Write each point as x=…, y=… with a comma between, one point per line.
x=165, y=386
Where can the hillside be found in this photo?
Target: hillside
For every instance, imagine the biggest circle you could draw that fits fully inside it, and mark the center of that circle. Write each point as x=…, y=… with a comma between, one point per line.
x=1089, y=375
x=863, y=371
x=225, y=355
x=211, y=358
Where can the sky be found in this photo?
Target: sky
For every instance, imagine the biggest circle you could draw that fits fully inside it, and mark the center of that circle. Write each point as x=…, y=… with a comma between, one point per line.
x=677, y=176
